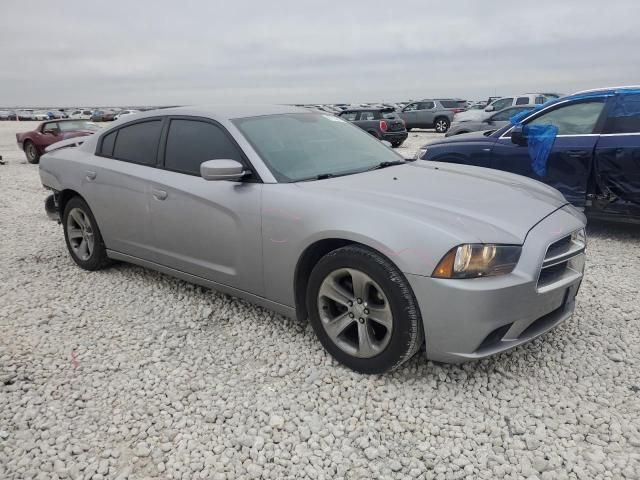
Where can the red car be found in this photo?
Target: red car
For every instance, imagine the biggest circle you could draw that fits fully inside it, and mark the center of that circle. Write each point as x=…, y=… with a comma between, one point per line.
x=34, y=142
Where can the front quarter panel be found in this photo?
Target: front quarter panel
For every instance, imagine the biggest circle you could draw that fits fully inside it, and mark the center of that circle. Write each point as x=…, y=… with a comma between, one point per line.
x=294, y=218
x=465, y=152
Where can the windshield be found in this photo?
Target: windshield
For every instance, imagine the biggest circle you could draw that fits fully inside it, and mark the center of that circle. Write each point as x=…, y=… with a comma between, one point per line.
x=78, y=125
x=300, y=146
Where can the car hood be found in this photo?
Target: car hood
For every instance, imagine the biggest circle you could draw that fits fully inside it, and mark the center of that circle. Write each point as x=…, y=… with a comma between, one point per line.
x=464, y=137
x=475, y=204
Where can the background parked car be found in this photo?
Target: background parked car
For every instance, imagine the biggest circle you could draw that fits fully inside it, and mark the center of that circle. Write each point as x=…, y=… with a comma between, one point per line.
x=593, y=158
x=7, y=115
x=103, y=116
x=492, y=122
x=35, y=141
x=81, y=114
x=436, y=113
x=124, y=113
x=382, y=123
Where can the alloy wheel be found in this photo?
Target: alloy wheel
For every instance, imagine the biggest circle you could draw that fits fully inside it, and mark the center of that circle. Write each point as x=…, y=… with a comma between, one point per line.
x=355, y=312
x=441, y=126
x=80, y=234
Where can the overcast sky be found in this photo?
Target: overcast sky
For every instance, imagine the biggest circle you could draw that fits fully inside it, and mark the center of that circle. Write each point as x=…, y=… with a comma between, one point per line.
x=155, y=52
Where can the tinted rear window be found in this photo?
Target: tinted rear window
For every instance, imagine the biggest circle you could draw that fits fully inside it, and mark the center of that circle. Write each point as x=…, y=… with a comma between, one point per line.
x=107, y=144
x=625, y=115
x=138, y=143
x=453, y=103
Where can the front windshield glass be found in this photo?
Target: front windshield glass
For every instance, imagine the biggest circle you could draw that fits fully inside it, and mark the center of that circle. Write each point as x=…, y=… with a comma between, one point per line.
x=301, y=146
x=78, y=125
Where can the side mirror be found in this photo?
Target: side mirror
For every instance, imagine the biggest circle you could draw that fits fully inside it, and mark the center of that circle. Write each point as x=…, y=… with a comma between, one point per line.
x=518, y=136
x=386, y=144
x=490, y=108
x=223, y=169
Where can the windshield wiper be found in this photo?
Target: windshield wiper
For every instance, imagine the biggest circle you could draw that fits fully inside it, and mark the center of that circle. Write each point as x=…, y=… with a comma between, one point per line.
x=386, y=164
x=321, y=176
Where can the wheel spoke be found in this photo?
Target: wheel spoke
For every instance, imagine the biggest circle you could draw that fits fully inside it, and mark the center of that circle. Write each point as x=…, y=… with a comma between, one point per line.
x=359, y=281
x=381, y=315
x=74, y=233
x=366, y=347
x=83, y=249
x=77, y=217
x=335, y=292
x=336, y=326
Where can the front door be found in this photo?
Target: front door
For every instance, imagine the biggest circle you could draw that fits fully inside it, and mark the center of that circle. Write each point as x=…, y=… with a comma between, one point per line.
x=570, y=163
x=211, y=229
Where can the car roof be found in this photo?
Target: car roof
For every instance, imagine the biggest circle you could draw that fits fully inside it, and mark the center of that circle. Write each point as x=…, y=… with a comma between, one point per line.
x=608, y=89
x=369, y=109
x=226, y=111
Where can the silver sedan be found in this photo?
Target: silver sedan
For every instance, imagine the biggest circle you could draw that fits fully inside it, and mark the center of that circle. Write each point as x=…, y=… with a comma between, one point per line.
x=308, y=215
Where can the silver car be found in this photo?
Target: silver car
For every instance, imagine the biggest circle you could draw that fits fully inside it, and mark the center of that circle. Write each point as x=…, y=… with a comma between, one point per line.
x=308, y=215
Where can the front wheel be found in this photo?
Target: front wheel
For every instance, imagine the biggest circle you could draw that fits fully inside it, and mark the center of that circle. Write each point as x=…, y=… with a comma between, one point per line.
x=441, y=125
x=31, y=152
x=363, y=310
x=82, y=236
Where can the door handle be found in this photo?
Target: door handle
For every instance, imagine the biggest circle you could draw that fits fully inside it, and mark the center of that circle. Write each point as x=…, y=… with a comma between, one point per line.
x=159, y=194
x=577, y=153
x=91, y=175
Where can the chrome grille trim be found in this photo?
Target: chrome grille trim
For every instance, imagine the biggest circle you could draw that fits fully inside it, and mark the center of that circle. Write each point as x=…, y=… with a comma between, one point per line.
x=563, y=263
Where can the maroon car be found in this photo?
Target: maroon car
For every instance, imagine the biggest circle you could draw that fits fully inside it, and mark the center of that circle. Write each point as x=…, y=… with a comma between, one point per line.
x=34, y=142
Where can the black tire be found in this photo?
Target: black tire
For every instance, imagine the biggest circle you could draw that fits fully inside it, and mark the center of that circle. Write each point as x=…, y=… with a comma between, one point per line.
x=396, y=144
x=31, y=152
x=407, y=333
x=441, y=124
x=97, y=257
x=409, y=129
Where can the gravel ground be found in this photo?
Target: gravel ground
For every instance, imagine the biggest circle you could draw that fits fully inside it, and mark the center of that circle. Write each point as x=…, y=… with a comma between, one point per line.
x=127, y=373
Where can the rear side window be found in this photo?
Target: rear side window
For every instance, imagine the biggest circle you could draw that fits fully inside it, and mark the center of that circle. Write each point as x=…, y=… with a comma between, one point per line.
x=191, y=142
x=350, y=116
x=108, y=142
x=540, y=100
x=138, y=143
x=625, y=115
x=453, y=103
x=367, y=116
x=522, y=100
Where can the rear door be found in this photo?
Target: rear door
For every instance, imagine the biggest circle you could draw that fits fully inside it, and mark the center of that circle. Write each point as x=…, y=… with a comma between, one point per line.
x=617, y=156
x=211, y=229
x=117, y=185
x=570, y=163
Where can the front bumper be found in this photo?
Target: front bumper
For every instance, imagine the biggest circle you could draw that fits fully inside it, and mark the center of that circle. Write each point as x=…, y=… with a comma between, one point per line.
x=476, y=318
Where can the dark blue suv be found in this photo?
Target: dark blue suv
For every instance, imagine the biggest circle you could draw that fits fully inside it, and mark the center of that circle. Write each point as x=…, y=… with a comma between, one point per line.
x=586, y=145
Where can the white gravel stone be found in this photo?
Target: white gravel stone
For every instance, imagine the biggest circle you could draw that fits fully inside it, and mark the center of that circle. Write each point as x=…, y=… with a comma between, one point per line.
x=169, y=380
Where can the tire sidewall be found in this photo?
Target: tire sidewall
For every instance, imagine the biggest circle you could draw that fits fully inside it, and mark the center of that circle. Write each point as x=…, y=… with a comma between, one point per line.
x=406, y=336
x=98, y=256
x=36, y=157
x=447, y=125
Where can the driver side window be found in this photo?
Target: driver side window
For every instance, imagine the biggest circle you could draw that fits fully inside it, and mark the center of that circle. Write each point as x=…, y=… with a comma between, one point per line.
x=502, y=103
x=412, y=107
x=575, y=119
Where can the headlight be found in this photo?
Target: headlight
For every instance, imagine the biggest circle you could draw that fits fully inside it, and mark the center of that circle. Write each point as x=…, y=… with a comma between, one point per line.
x=420, y=153
x=478, y=260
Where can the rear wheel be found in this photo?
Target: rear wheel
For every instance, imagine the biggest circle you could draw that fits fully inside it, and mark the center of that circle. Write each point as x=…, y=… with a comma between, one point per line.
x=82, y=235
x=396, y=144
x=363, y=310
x=31, y=152
x=441, y=125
